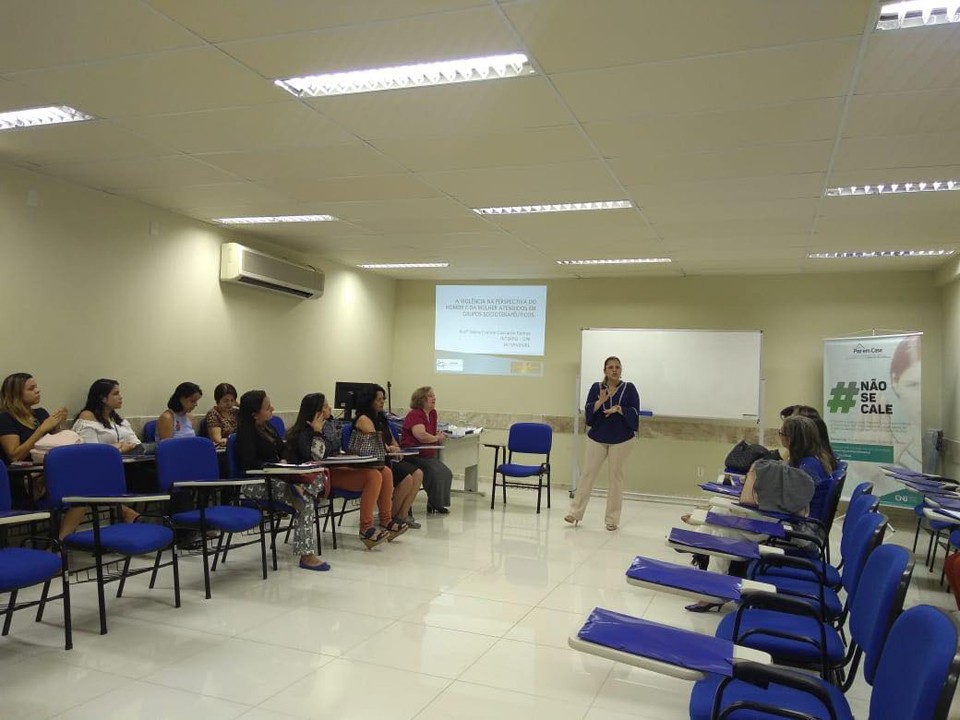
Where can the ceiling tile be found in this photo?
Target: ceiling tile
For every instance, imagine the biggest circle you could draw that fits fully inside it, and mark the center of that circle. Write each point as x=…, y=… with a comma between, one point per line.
x=177, y=81
x=129, y=174
x=572, y=34
x=535, y=146
x=723, y=230
x=713, y=83
x=82, y=32
x=911, y=60
x=742, y=190
x=368, y=187
x=438, y=36
x=284, y=124
x=924, y=111
x=14, y=96
x=898, y=151
x=214, y=21
x=304, y=163
x=731, y=210
x=584, y=224
x=234, y=199
x=375, y=210
x=403, y=226
x=57, y=145
x=792, y=123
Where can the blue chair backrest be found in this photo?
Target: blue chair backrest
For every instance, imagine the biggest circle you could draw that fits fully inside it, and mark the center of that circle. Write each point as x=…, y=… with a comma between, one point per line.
x=864, y=488
x=279, y=426
x=917, y=673
x=535, y=438
x=879, y=599
x=867, y=534
x=345, y=431
x=150, y=431
x=5, y=501
x=855, y=510
x=88, y=469
x=232, y=465
x=188, y=458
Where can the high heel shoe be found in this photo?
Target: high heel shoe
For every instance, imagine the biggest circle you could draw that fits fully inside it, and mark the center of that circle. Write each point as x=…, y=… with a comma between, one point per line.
x=373, y=536
x=438, y=510
x=572, y=520
x=704, y=607
x=395, y=529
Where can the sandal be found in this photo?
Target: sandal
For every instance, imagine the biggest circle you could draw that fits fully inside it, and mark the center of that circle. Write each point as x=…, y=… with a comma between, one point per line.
x=611, y=527
x=395, y=529
x=373, y=536
x=572, y=520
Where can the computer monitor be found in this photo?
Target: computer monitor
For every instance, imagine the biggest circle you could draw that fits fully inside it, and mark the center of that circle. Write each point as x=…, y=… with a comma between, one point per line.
x=345, y=396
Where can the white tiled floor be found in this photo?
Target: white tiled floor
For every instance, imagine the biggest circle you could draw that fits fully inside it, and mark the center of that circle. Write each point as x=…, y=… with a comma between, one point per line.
x=466, y=618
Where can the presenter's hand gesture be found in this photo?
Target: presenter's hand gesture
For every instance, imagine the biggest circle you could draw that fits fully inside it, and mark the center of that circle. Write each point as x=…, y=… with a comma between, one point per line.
x=614, y=409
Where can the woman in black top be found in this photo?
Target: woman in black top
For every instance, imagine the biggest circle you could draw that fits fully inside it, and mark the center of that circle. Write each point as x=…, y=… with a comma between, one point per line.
x=258, y=444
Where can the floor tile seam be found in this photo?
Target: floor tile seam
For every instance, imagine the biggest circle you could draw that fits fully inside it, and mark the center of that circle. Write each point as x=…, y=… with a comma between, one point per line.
x=481, y=597
x=432, y=700
x=454, y=629
x=295, y=679
x=363, y=661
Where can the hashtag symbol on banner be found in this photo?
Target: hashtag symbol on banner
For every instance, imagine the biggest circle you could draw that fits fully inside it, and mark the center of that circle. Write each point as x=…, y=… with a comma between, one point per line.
x=842, y=397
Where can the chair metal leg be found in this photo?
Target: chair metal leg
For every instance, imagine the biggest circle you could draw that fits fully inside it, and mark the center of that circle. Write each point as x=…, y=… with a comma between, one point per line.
x=936, y=548
x=43, y=600
x=67, y=620
x=217, y=554
x=273, y=524
x=9, y=616
x=539, y=492
x=916, y=535
x=548, y=491
x=929, y=548
x=156, y=569
x=263, y=548
x=333, y=525
x=123, y=575
x=98, y=556
x=493, y=490
x=176, y=573
x=204, y=553
x=343, y=511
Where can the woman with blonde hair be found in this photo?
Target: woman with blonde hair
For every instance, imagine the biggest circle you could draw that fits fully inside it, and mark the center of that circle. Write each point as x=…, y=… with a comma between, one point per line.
x=420, y=428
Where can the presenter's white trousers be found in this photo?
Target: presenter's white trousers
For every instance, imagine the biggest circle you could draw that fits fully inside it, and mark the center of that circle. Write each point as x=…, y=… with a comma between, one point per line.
x=616, y=457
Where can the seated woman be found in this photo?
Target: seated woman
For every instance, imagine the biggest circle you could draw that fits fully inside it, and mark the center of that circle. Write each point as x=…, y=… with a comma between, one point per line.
x=99, y=422
x=406, y=477
x=821, y=467
x=258, y=444
x=420, y=428
x=176, y=420
x=221, y=419
x=22, y=424
x=766, y=487
x=313, y=436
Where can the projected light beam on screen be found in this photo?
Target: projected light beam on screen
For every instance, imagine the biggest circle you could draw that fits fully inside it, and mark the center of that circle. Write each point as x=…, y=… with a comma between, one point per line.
x=490, y=329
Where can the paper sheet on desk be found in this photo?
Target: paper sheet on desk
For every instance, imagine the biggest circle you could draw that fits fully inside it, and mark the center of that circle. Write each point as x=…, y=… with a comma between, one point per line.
x=459, y=432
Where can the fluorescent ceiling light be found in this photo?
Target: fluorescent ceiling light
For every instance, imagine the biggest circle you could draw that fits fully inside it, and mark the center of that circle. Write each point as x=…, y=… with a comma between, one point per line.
x=444, y=72
x=53, y=115
x=894, y=188
x=403, y=266
x=917, y=13
x=878, y=254
x=561, y=207
x=275, y=219
x=617, y=261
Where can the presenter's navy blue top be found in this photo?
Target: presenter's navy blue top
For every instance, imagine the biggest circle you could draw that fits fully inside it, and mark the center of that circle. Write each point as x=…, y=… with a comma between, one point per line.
x=614, y=428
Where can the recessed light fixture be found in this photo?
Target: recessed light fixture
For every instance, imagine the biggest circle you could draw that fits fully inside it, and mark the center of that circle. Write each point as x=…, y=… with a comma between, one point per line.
x=560, y=207
x=917, y=13
x=53, y=115
x=403, y=266
x=615, y=261
x=275, y=219
x=896, y=188
x=878, y=254
x=444, y=72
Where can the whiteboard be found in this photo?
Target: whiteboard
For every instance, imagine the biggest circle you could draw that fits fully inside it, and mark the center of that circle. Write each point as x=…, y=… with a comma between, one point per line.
x=680, y=373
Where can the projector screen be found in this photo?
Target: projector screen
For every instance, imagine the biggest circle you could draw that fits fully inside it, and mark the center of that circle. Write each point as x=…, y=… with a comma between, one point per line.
x=490, y=329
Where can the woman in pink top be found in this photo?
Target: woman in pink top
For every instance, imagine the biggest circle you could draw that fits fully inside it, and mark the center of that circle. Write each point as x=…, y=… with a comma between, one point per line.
x=420, y=428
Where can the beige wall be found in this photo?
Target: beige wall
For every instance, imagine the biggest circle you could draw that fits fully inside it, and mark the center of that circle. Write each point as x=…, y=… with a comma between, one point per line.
x=796, y=312
x=89, y=292
x=949, y=278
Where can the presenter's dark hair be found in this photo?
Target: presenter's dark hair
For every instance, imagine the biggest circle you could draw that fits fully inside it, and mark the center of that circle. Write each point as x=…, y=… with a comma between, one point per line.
x=96, y=396
x=224, y=389
x=184, y=390
x=612, y=357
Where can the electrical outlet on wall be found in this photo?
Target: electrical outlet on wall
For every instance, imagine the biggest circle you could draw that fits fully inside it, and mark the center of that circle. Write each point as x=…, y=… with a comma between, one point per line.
x=699, y=472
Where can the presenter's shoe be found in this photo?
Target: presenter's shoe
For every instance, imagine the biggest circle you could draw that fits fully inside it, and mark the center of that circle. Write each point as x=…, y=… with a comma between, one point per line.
x=572, y=520
x=373, y=536
x=611, y=526
x=438, y=510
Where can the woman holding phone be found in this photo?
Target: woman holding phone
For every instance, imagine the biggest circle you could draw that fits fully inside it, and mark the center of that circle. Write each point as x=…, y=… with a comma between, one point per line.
x=612, y=412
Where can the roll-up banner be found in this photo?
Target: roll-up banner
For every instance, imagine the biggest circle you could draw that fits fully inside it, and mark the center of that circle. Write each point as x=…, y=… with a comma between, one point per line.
x=871, y=404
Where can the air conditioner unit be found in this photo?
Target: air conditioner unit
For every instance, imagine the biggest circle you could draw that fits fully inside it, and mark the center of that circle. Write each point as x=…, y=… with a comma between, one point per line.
x=239, y=264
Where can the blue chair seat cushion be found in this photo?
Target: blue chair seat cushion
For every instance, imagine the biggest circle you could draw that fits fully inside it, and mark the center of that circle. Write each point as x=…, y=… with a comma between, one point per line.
x=701, y=700
x=124, y=538
x=802, y=588
x=783, y=649
x=832, y=574
x=277, y=506
x=515, y=470
x=345, y=494
x=23, y=567
x=221, y=517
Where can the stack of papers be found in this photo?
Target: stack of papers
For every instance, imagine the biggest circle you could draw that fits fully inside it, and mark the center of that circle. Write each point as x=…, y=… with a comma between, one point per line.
x=459, y=432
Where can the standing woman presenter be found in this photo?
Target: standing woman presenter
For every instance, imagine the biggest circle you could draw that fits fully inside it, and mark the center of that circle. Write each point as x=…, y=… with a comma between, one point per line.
x=612, y=413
